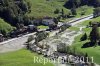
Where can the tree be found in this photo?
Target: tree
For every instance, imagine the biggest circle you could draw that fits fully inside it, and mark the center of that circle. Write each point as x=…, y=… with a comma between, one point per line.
x=68, y=49
x=55, y=20
x=5, y=28
x=41, y=35
x=94, y=35
x=95, y=3
x=77, y=2
x=26, y=20
x=23, y=5
x=62, y=13
x=96, y=12
x=58, y=18
x=30, y=38
x=73, y=11
x=90, y=23
x=84, y=37
x=14, y=9
x=56, y=11
x=72, y=3
x=63, y=28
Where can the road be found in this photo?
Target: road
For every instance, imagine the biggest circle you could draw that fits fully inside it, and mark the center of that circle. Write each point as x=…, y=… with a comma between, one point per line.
x=78, y=20
x=14, y=44
x=17, y=43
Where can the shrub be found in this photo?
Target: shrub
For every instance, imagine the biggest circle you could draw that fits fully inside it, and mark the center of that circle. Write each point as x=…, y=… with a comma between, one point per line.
x=5, y=28
x=84, y=37
x=30, y=38
x=41, y=36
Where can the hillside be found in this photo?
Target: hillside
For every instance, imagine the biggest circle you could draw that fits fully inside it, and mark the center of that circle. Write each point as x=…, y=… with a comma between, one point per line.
x=42, y=8
x=46, y=7
x=17, y=10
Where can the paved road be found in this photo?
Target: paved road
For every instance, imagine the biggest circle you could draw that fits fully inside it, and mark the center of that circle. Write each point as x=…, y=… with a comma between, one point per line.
x=14, y=44
x=78, y=20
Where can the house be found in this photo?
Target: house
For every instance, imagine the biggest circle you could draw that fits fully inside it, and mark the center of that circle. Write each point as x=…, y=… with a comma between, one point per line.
x=37, y=22
x=48, y=22
x=32, y=28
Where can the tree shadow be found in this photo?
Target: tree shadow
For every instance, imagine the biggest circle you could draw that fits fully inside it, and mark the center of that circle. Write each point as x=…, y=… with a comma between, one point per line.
x=88, y=44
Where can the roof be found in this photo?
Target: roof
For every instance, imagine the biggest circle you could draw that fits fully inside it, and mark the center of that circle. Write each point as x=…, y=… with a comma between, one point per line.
x=30, y=25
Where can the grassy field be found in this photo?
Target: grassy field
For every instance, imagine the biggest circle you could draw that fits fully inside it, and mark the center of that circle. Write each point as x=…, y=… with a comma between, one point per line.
x=92, y=51
x=74, y=28
x=42, y=8
x=20, y=58
x=43, y=27
x=87, y=9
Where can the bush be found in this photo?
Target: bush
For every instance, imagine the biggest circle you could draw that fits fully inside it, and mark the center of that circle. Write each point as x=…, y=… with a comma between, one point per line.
x=96, y=12
x=64, y=27
x=41, y=36
x=84, y=37
x=30, y=38
x=5, y=28
x=56, y=11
